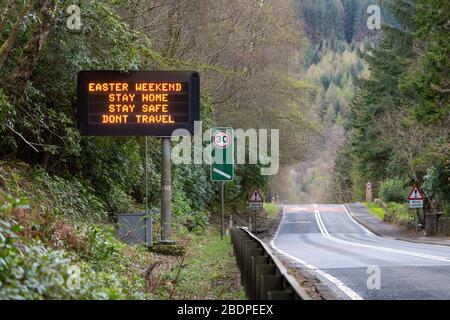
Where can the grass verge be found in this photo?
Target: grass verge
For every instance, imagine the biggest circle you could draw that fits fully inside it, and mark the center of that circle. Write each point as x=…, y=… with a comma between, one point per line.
x=271, y=208
x=208, y=271
x=375, y=210
x=52, y=232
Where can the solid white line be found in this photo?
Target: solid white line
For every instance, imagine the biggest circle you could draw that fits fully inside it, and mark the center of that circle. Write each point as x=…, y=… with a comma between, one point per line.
x=339, y=284
x=222, y=173
x=326, y=234
x=350, y=215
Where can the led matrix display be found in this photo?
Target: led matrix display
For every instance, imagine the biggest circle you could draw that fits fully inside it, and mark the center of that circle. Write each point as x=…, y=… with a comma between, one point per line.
x=138, y=103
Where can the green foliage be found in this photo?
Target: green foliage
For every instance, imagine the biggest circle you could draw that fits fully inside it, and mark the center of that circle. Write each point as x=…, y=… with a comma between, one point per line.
x=447, y=211
x=393, y=190
x=72, y=198
x=400, y=117
x=427, y=80
x=376, y=210
x=5, y=109
x=272, y=209
x=335, y=20
x=32, y=271
x=399, y=214
x=437, y=184
x=114, y=167
x=103, y=245
x=209, y=271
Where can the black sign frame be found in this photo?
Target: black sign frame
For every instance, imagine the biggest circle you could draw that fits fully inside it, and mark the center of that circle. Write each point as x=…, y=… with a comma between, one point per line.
x=192, y=78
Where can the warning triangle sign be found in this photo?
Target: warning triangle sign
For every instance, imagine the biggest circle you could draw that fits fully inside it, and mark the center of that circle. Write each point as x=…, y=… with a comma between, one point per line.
x=416, y=194
x=255, y=196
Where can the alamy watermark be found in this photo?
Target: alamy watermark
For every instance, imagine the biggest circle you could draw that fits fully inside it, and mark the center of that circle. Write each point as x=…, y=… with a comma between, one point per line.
x=374, y=20
x=74, y=20
x=74, y=278
x=374, y=279
x=252, y=147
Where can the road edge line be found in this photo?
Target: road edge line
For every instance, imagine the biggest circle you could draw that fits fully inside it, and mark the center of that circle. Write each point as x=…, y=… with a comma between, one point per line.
x=336, y=282
x=376, y=247
x=388, y=237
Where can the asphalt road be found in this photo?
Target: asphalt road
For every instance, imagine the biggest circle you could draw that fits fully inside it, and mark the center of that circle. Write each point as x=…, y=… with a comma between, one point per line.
x=355, y=263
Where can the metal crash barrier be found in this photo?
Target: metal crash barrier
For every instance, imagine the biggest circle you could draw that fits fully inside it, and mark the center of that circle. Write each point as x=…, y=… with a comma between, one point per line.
x=263, y=276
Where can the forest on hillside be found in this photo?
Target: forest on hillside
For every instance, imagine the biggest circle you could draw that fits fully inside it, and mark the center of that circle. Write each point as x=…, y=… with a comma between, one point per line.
x=383, y=101
x=399, y=125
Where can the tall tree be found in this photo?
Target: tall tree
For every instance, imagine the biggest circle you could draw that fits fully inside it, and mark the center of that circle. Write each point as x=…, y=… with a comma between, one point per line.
x=8, y=44
x=23, y=71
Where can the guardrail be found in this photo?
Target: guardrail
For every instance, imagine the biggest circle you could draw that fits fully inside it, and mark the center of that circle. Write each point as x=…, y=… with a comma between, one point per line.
x=263, y=275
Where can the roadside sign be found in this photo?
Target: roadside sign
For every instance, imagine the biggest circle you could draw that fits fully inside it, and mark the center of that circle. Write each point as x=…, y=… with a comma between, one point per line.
x=255, y=196
x=416, y=204
x=416, y=198
x=137, y=103
x=416, y=194
x=255, y=200
x=222, y=154
x=255, y=205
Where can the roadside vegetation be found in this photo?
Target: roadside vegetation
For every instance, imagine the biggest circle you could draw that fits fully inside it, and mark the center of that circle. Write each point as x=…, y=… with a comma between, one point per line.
x=57, y=243
x=70, y=187
x=398, y=131
x=401, y=215
x=208, y=271
x=272, y=209
x=375, y=210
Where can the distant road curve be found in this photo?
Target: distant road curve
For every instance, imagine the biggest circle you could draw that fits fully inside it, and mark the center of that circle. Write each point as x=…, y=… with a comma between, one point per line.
x=348, y=258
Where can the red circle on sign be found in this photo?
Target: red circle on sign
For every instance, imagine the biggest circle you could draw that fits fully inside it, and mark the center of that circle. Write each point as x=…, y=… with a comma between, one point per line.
x=222, y=139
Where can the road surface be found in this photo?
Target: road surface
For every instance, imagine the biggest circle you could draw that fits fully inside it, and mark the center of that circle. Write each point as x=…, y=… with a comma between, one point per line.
x=355, y=263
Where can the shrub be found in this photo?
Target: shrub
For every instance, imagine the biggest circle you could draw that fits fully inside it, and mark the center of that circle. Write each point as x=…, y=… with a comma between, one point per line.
x=393, y=190
x=32, y=271
x=70, y=198
x=399, y=214
x=447, y=211
x=444, y=227
x=436, y=184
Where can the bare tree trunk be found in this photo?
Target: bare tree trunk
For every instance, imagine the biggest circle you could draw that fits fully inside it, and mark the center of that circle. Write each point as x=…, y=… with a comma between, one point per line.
x=19, y=77
x=174, y=32
x=7, y=45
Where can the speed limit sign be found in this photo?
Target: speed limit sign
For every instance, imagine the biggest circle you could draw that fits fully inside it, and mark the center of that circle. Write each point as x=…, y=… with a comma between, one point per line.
x=222, y=154
x=222, y=139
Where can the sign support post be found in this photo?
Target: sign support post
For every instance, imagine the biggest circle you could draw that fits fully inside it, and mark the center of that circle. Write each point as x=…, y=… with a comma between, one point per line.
x=256, y=203
x=222, y=219
x=222, y=164
x=166, y=193
x=416, y=198
x=148, y=215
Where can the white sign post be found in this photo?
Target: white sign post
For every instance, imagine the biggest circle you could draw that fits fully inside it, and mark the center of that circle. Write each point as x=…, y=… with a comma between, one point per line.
x=256, y=203
x=416, y=198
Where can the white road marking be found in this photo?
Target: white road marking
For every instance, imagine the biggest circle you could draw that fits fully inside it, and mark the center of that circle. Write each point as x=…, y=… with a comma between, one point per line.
x=350, y=215
x=298, y=222
x=326, y=234
x=339, y=284
x=226, y=175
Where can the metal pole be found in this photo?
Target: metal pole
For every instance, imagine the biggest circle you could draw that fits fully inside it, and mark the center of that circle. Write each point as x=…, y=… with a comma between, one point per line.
x=149, y=224
x=222, y=205
x=417, y=220
x=166, y=193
